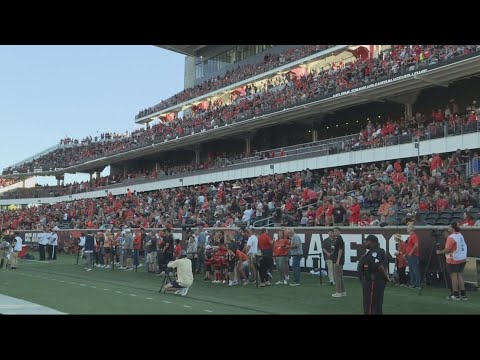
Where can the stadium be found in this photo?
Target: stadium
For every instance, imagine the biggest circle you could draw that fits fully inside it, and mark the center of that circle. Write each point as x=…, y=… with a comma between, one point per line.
x=271, y=142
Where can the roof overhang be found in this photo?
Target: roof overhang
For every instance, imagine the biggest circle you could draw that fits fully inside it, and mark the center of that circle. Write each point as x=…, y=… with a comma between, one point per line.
x=190, y=50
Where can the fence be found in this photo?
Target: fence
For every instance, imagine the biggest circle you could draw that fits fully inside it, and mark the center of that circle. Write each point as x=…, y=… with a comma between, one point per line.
x=312, y=240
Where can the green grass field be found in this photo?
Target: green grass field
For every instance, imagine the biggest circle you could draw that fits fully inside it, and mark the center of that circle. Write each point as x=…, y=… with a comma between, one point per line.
x=66, y=287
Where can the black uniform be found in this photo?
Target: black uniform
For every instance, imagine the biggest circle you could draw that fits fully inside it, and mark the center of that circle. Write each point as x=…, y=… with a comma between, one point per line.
x=373, y=283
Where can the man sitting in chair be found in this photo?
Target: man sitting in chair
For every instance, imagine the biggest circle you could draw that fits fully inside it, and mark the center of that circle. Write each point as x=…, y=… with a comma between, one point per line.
x=184, y=275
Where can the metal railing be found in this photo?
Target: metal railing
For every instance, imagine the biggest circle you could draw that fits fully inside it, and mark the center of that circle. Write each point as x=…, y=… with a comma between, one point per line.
x=269, y=224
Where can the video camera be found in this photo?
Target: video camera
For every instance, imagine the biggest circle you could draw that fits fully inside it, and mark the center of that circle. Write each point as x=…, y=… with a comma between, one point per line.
x=437, y=235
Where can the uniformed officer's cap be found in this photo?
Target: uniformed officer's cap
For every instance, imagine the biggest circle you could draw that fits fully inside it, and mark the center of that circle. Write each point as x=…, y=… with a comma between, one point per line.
x=371, y=238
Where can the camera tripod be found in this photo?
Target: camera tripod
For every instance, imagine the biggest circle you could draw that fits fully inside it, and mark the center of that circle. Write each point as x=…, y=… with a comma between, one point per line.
x=165, y=278
x=441, y=267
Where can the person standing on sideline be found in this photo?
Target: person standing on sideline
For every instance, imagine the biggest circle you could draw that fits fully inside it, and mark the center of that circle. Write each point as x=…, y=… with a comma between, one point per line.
x=54, y=243
x=328, y=250
x=456, y=253
x=281, y=249
x=371, y=269
x=43, y=239
x=296, y=251
x=201, y=244
x=88, y=250
x=413, y=258
x=400, y=261
x=252, y=249
x=338, y=259
x=266, y=262
x=17, y=247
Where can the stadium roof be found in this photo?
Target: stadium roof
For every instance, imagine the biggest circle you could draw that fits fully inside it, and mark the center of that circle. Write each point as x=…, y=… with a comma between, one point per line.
x=183, y=49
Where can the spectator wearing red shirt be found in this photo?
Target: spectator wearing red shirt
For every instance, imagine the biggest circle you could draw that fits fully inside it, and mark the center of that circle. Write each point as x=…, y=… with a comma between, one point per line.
x=178, y=249
x=354, y=213
x=266, y=261
x=436, y=164
x=400, y=261
x=475, y=182
x=468, y=219
x=413, y=257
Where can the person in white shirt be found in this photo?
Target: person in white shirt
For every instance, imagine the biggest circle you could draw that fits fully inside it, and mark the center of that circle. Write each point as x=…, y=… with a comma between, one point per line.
x=52, y=245
x=247, y=215
x=251, y=250
x=43, y=239
x=259, y=214
x=184, y=275
x=17, y=247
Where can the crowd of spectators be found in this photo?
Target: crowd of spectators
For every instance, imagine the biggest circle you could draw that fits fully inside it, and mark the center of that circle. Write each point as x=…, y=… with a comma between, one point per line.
x=234, y=75
x=314, y=84
x=7, y=182
x=386, y=193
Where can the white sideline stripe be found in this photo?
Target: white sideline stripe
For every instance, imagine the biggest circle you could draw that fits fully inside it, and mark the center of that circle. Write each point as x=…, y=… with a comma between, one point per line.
x=106, y=289
x=133, y=295
x=119, y=292
x=187, y=306
x=13, y=306
x=167, y=302
x=83, y=285
x=208, y=311
x=93, y=287
x=149, y=298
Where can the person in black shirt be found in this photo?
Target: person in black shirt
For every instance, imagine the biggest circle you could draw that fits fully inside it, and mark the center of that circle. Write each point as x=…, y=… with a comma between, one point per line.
x=371, y=270
x=338, y=258
x=338, y=214
x=169, y=246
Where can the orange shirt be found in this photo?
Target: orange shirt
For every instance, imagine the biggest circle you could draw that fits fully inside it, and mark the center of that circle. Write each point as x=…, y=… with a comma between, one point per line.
x=451, y=245
x=137, y=241
x=412, y=240
x=264, y=242
x=241, y=256
x=476, y=180
x=281, y=247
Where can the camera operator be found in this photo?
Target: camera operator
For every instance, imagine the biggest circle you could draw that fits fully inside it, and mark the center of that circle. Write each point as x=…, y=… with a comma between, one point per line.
x=456, y=254
x=184, y=275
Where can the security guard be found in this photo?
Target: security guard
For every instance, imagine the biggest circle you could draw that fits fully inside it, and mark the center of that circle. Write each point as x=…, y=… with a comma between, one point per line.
x=371, y=269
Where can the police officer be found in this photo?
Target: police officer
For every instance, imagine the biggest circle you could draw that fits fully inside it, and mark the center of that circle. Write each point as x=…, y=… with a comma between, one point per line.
x=371, y=269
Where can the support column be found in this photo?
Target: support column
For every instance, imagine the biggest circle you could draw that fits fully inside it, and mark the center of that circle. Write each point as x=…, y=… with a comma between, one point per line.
x=408, y=110
x=197, y=156
x=248, y=141
x=314, y=135
x=91, y=177
x=23, y=183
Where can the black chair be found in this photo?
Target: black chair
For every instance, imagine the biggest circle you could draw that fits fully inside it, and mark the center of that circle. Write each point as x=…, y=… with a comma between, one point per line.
x=442, y=221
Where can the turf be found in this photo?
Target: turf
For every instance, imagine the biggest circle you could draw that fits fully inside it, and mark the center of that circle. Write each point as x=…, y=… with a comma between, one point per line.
x=65, y=286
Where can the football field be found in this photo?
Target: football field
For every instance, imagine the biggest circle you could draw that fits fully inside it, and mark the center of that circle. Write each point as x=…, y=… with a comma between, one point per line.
x=66, y=287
